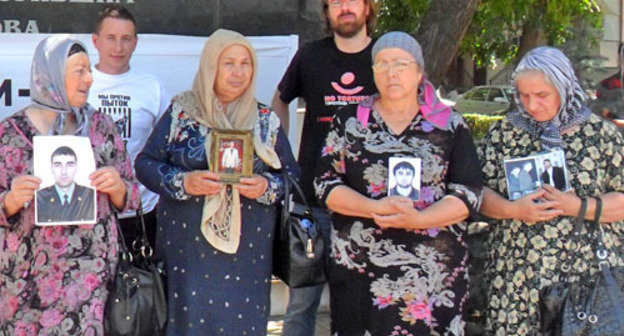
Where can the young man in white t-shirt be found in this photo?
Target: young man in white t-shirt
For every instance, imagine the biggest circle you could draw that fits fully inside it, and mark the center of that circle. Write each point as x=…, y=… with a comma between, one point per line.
x=135, y=100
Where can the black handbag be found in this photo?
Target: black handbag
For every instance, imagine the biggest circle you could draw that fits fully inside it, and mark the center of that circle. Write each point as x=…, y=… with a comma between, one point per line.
x=592, y=306
x=298, y=247
x=137, y=304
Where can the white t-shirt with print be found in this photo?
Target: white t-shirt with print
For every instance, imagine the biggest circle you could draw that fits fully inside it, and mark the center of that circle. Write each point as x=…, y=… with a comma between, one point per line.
x=136, y=101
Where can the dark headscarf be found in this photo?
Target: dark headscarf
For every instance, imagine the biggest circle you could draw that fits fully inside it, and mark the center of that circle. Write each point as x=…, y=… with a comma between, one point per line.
x=573, y=111
x=47, y=82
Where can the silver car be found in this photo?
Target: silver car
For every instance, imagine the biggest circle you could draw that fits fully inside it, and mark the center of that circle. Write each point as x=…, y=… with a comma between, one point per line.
x=489, y=100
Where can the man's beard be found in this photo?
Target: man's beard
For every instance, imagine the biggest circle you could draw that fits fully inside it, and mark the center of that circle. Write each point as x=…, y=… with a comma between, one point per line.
x=348, y=30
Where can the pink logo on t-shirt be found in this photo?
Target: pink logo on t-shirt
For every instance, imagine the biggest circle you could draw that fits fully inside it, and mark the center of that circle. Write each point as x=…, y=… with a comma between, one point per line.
x=346, y=79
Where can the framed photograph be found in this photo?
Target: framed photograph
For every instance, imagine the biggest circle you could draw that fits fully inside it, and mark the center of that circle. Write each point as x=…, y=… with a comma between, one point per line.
x=231, y=154
x=64, y=164
x=404, y=177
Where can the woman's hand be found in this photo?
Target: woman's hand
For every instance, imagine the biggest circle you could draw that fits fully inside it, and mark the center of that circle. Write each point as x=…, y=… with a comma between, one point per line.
x=22, y=192
x=528, y=208
x=107, y=180
x=252, y=187
x=567, y=202
x=201, y=183
x=396, y=212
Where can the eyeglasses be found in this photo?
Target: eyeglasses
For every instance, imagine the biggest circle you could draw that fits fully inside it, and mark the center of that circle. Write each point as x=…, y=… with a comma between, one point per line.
x=398, y=66
x=338, y=3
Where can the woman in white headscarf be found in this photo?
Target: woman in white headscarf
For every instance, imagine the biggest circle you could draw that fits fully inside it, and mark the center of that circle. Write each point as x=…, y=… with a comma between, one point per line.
x=216, y=238
x=532, y=236
x=53, y=279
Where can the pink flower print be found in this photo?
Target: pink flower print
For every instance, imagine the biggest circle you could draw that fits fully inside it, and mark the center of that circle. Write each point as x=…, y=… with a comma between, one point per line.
x=433, y=232
x=50, y=318
x=41, y=260
x=376, y=189
x=419, y=310
x=91, y=281
x=426, y=195
x=59, y=244
x=97, y=309
x=383, y=301
x=49, y=290
x=24, y=329
x=327, y=150
x=9, y=307
x=13, y=242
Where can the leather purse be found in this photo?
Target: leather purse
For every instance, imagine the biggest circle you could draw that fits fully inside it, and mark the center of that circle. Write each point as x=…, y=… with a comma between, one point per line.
x=298, y=247
x=591, y=306
x=137, y=304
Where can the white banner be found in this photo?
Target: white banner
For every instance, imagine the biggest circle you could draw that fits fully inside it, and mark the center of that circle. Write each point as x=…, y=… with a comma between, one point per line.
x=173, y=58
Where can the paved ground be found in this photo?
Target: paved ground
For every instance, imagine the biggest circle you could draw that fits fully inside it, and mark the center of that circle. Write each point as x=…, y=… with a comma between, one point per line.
x=322, y=325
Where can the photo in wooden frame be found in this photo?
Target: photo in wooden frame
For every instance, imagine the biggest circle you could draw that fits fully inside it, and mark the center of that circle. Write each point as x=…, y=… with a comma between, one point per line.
x=231, y=154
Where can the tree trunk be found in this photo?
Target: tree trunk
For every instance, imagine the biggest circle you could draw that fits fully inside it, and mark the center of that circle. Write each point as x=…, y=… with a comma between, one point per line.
x=532, y=36
x=441, y=31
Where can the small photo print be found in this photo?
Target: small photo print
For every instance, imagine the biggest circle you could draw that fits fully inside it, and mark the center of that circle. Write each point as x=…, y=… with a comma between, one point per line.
x=64, y=164
x=526, y=175
x=553, y=170
x=231, y=156
x=404, y=177
x=521, y=176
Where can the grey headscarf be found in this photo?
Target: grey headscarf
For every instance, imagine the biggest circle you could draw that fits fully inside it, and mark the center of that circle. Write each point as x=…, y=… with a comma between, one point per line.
x=573, y=111
x=47, y=83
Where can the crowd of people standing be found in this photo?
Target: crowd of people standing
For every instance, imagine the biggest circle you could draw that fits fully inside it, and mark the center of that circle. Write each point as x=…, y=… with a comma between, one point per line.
x=397, y=261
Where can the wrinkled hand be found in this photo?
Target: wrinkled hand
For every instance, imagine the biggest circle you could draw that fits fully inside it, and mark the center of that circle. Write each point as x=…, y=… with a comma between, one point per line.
x=201, y=183
x=396, y=212
x=252, y=187
x=22, y=191
x=107, y=180
x=526, y=209
x=568, y=202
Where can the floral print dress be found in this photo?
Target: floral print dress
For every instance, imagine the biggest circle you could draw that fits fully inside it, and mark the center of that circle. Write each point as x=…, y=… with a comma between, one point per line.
x=53, y=280
x=387, y=282
x=524, y=258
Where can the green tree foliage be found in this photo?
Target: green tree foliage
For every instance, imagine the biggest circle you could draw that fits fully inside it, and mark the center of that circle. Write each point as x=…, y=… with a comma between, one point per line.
x=506, y=29
x=403, y=15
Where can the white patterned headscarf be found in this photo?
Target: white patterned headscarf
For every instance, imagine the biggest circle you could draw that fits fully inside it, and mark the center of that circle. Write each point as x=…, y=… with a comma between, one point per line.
x=47, y=83
x=573, y=111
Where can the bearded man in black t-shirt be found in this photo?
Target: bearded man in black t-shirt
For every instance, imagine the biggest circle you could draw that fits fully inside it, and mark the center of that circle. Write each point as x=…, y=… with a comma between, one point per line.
x=327, y=74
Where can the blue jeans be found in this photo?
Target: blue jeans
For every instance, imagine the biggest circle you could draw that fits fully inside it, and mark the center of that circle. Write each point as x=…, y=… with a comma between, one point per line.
x=300, y=316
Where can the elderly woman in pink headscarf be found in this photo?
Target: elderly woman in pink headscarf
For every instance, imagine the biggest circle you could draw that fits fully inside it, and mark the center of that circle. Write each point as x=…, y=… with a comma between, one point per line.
x=398, y=266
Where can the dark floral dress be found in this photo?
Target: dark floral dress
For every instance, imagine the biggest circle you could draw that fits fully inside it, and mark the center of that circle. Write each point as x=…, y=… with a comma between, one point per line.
x=524, y=258
x=211, y=292
x=53, y=279
x=394, y=281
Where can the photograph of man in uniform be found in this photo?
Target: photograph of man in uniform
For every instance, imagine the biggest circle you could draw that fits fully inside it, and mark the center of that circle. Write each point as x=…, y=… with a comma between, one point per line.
x=65, y=200
x=553, y=175
x=231, y=159
x=404, y=174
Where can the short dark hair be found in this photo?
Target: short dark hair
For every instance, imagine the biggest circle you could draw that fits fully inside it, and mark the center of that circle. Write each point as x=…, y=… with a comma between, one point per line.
x=63, y=150
x=403, y=165
x=115, y=12
x=371, y=20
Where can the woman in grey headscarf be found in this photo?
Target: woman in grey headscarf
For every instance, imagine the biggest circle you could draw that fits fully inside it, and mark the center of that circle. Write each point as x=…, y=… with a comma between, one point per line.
x=53, y=279
x=530, y=236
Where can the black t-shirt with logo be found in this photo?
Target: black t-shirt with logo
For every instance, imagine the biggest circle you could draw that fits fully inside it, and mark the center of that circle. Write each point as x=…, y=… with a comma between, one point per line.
x=327, y=79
